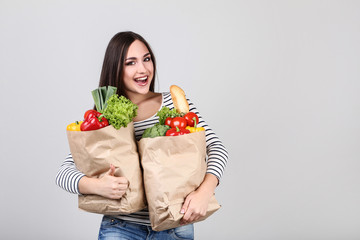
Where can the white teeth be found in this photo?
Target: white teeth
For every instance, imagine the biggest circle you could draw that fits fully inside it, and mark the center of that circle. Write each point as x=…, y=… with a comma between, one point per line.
x=141, y=79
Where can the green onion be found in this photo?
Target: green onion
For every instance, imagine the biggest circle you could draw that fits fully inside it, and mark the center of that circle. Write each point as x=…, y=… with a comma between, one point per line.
x=101, y=95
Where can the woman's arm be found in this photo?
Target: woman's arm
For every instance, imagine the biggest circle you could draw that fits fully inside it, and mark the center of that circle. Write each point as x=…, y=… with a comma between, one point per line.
x=72, y=180
x=216, y=151
x=68, y=176
x=107, y=186
x=196, y=203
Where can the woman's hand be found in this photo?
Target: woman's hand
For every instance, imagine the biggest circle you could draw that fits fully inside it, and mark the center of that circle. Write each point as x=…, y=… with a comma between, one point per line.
x=195, y=206
x=107, y=186
x=112, y=187
x=196, y=203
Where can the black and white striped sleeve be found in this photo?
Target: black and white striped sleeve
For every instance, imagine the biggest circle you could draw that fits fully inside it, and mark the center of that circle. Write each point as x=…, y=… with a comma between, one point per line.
x=68, y=176
x=216, y=151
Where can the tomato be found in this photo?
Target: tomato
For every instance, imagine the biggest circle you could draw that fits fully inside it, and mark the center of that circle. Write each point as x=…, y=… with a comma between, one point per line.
x=190, y=119
x=168, y=121
x=179, y=122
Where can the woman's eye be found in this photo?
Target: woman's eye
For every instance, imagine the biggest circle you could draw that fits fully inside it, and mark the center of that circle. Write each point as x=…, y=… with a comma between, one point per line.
x=130, y=63
x=147, y=59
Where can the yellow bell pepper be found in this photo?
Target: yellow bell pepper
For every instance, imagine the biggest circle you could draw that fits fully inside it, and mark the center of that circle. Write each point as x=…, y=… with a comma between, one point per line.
x=74, y=126
x=195, y=129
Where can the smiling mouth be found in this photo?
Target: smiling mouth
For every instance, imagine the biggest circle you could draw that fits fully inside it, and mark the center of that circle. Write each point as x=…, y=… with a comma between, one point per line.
x=142, y=80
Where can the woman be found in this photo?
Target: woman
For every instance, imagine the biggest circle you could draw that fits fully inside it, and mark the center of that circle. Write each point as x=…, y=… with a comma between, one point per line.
x=129, y=65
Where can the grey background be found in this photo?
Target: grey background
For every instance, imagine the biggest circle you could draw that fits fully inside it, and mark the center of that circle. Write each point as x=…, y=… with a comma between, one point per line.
x=278, y=81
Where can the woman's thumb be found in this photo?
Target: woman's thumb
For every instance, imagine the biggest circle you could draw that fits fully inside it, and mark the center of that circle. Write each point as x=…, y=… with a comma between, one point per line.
x=111, y=170
x=185, y=205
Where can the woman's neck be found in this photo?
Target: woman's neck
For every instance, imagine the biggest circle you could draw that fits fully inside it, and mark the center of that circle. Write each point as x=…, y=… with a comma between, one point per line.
x=148, y=105
x=139, y=98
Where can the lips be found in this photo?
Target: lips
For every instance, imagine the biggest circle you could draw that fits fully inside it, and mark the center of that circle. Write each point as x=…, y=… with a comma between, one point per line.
x=142, y=81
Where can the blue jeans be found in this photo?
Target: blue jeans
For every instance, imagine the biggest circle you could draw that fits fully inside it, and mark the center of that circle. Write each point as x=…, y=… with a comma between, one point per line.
x=113, y=228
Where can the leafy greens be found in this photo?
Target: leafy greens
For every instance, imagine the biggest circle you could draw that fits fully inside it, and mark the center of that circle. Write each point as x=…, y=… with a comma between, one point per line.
x=101, y=95
x=119, y=111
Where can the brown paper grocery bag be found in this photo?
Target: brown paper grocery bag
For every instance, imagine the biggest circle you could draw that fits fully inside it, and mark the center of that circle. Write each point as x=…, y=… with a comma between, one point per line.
x=173, y=167
x=93, y=151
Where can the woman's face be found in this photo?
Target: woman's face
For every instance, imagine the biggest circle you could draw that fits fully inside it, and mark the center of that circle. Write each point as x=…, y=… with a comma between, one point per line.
x=138, y=69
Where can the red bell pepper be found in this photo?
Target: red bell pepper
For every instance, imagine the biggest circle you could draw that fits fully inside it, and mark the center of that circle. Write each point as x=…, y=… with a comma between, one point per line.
x=177, y=131
x=93, y=120
x=190, y=119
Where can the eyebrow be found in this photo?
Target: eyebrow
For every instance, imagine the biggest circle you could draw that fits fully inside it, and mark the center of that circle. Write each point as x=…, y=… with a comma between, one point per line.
x=134, y=58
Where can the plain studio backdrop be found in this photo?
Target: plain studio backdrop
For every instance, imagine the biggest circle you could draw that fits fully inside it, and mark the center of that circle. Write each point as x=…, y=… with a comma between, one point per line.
x=278, y=81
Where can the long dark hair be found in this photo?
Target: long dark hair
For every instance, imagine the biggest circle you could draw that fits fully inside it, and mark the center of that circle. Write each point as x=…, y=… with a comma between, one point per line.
x=114, y=60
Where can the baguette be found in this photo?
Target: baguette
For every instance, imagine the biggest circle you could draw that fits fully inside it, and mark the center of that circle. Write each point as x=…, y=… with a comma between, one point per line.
x=178, y=96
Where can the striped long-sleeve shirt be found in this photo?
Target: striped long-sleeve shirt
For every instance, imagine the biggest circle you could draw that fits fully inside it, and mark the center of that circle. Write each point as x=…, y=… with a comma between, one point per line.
x=68, y=176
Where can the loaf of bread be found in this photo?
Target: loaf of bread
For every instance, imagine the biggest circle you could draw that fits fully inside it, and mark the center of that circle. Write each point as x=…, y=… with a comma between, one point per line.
x=178, y=96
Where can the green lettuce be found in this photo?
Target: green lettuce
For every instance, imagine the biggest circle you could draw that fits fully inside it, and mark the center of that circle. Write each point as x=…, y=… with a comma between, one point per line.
x=119, y=111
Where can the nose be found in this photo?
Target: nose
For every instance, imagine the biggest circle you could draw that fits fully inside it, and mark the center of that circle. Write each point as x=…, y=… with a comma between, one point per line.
x=141, y=68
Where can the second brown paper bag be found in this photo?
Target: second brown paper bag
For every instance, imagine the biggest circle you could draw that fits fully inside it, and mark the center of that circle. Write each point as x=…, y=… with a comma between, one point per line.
x=94, y=151
x=173, y=167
